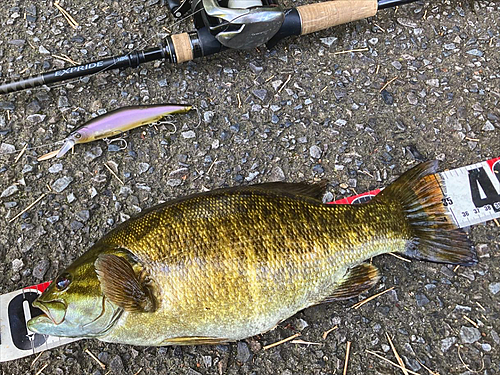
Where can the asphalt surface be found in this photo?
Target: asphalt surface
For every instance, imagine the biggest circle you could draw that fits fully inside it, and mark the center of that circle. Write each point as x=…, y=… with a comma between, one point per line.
x=302, y=111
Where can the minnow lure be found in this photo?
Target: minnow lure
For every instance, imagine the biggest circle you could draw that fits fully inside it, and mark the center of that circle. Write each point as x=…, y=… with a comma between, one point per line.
x=116, y=122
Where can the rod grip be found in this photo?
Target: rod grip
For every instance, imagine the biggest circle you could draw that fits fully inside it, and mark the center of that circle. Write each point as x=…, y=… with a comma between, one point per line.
x=320, y=16
x=21, y=84
x=182, y=47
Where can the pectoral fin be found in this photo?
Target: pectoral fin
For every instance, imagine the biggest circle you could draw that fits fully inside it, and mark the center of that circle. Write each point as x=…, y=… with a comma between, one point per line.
x=356, y=281
x=122, y=285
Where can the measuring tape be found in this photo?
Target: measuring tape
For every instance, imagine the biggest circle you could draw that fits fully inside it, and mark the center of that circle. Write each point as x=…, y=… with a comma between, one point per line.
x=471, y=195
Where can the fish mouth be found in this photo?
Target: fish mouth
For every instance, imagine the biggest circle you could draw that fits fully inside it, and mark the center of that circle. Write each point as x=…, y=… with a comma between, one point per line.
x=38, y=323
x=68, y=145
x=54, y=311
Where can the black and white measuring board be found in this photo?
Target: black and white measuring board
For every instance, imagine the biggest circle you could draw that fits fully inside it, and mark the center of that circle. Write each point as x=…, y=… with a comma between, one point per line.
x=472, y=196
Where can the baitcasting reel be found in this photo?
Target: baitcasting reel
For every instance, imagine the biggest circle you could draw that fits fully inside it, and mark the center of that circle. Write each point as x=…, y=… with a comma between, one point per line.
x=238, y=24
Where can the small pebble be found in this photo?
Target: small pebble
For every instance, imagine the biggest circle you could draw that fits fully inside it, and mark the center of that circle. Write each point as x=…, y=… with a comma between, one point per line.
x=256, y=69
x=41, y=268
x=447, y=343
x=315, y=152
x=488, y=126
x=43, y=50
x=33, y=107
x=83, y=215
x=36, y=118
x=27, y=168
x=422, y=300
x=174, y=182
x=300, y=324
x=75, y=225
x=53, y=219
x=188, y=134
x=277, y=174
x=208, y=116
x=469, y=335
x=143, y=167
x=7, y=148
x=10, y=204
x=318, y=168
x=56, y=168
x=433, y=82
x=207, y=360
x=328, y=40
x=61, y=183
x=7, y=106
x=412, y=98
x=113, y=147
x=412, y=363
x=92, y=154
x=475, y=52
x=495, y=336
x=387, y=97
x=486, y=347
x=17, y=264
x=62, y=102
x=116, y=365
x=397, y=65
x=11, y=190
x=251, y=176
x=494, y=288
x=243, y=352
x=260, y=93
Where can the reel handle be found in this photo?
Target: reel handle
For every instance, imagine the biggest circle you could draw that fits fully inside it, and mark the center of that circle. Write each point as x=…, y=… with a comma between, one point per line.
x=320, y=16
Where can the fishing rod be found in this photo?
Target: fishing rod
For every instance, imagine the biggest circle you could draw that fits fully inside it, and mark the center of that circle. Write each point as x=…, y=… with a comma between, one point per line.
x=221, y=25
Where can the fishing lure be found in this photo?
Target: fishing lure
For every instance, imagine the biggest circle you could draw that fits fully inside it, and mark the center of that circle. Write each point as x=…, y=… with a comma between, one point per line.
x=117, y=122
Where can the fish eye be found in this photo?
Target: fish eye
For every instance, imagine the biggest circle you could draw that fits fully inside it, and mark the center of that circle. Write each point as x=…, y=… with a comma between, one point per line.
x=77, y=135
x=63, y=281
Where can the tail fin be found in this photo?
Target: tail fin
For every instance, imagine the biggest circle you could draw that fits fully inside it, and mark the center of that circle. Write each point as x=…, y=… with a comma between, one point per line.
x=434, y=236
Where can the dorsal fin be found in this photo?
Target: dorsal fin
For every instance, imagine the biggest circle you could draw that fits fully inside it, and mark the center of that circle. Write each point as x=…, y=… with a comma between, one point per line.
x=305, y=189
x=356, y=281
x=122, y=285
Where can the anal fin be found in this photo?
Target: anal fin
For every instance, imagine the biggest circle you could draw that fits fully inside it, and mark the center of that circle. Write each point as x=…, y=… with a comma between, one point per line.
x=356, y=281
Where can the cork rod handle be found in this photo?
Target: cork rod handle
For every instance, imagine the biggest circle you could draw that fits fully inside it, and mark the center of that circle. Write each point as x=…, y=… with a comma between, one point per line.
x=320, y=16
x=182, y=47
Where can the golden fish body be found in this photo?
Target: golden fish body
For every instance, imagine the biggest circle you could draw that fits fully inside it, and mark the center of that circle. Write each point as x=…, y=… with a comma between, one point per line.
x=233, y=263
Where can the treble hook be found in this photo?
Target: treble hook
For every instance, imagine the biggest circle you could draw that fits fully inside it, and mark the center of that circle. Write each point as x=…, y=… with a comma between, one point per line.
x=199, y=116
x=119, y=139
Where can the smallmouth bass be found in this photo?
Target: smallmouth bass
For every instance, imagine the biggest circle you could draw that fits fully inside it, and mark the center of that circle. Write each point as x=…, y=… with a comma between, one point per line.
x=232, y=263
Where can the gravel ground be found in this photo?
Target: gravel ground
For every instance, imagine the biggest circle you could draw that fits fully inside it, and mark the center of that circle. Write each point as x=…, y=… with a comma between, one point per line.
x=298, y=112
